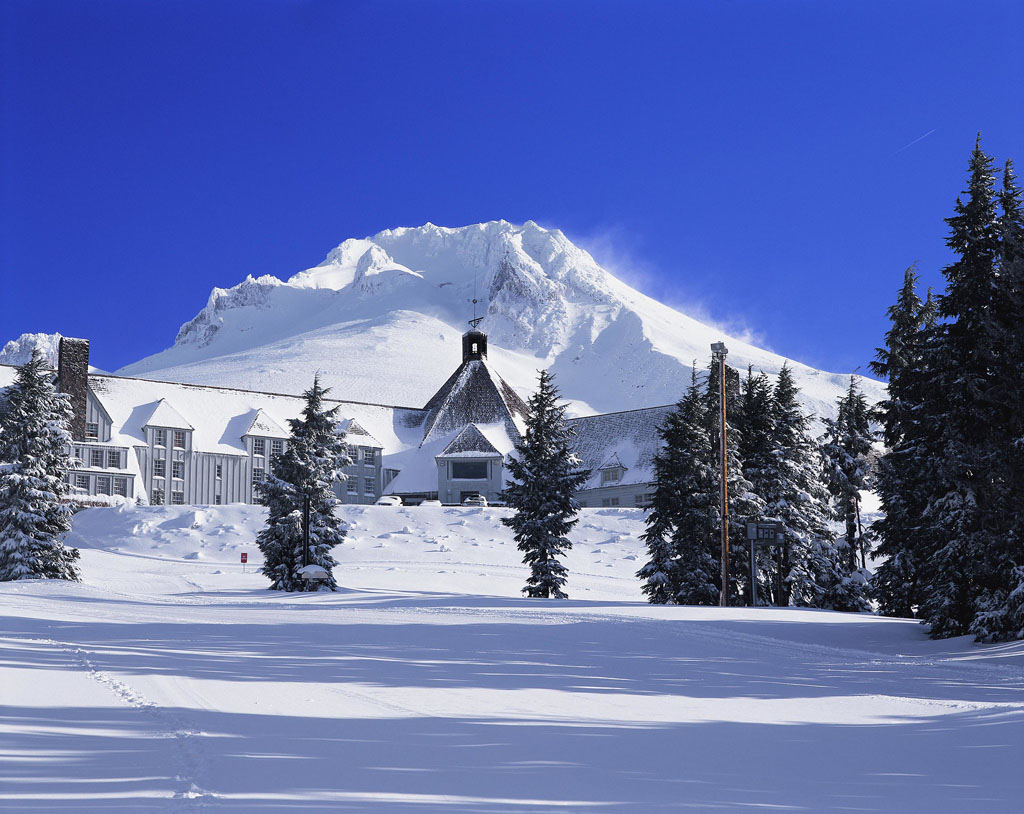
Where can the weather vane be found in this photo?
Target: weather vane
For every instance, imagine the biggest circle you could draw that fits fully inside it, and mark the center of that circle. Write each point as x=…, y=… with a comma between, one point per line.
x=475, y=320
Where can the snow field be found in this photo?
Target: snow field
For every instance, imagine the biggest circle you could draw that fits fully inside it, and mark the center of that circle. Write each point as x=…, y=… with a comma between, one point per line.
x=171, y=680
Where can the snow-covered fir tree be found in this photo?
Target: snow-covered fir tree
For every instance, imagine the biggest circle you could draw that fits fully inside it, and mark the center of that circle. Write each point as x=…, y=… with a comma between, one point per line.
x=898, y=479
x=681, y=537
x=309, y=467
x=846, y=450
x=758, y=452
x=958, y=413
x=795, y=495
x=745, y=504
x=544, y=474
x=35, y=448
x=1000, y=575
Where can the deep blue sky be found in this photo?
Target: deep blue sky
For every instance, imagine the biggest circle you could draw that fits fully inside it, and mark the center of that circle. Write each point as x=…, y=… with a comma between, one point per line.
x=748, y=159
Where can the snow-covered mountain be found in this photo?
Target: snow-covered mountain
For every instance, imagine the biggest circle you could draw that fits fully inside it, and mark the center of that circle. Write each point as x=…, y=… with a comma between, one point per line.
x=18, y=351
x=381, y=319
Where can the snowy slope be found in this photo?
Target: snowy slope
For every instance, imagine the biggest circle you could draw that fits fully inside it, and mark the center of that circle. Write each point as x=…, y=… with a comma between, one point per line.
x=381, y=319
x=171, y=681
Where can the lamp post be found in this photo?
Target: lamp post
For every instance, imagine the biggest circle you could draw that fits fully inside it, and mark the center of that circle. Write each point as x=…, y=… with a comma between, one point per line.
x=305, y=531
x=718, y=354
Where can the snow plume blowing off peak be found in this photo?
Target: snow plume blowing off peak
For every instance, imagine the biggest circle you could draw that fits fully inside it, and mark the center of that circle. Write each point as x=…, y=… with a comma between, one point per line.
x=381, y=319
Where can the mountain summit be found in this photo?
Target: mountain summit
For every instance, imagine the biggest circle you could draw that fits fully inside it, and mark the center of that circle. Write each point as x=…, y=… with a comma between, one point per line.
x=381, y=319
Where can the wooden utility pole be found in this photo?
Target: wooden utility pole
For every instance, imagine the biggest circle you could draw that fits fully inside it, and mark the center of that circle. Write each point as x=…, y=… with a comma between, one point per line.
x=719, y=352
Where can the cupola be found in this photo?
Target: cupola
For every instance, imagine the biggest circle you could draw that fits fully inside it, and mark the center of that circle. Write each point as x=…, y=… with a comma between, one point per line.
x=474, y=345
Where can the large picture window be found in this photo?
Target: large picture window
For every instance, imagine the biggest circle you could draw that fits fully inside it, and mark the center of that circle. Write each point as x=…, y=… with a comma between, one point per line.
x=469, y=470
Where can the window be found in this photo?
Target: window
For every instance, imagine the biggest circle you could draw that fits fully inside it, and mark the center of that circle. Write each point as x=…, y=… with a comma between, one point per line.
x=583, y=504
x=350, y=486
x=219, y=470
x=157, y=497
x=370, y=456
x=259, y=446
x=92, y=429
x=103, y=485
x=469, y=470
x=96, y=457
x=177, y=498
x=121, y=487
x=259, y=474
x=217, y=500
x=611, y=476
x=277, y=447
x=609, y=501
x=113, y=459
x=369, y=487
x=476, y=348
x=179, y=439
x=82, y=482
x=159, y=468
x=160, y=438
x=178, y=470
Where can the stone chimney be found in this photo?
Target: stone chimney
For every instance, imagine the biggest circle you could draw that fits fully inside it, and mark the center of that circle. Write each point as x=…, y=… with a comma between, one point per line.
x=73, y=379
x=474, y=345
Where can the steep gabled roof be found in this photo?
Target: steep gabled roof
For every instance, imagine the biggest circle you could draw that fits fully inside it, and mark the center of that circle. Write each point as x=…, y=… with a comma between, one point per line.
x=470, y=443
x=263, y=424
x=612, y=462
x=631, y=438
x=164, y=415
x=474, y=394
x=350, y=427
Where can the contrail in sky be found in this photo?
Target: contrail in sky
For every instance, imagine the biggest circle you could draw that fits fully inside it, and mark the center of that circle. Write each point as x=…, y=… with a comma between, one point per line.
x=919, y=138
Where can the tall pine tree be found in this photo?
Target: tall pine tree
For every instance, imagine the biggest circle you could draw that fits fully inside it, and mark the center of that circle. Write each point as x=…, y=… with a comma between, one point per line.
x=544, y=475
x=846, y=451
x=795, y=494
x=309, y=467
x=681, y=538
x=899, y=478
x=35, y=448
x=959, y=414
x=744, y=503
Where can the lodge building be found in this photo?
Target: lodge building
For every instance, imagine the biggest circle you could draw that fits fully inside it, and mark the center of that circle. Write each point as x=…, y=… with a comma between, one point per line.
x=166, y=442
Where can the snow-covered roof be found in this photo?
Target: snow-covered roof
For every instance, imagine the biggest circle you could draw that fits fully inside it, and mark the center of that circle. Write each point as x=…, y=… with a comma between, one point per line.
x=470, y=443
x=163, y=414
x=473, y=394
x=264, y=424
x=351, y=427
x=612, y=462
x=630, y=438
x=221, y=417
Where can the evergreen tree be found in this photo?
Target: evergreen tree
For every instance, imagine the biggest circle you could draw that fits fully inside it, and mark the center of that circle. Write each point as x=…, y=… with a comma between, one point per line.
x=1000, y=576
x=35, y=449
x=959, y=413
x=846, y=452
x=898, y=482
x=796, y=496
x=544, y=475
x=758, y=452
x=744, y=503
x=681, y=539
x=309, y=467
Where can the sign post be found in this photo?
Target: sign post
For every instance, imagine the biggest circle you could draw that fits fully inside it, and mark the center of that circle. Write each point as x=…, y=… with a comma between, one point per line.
x=762, y=534
x=245, y=559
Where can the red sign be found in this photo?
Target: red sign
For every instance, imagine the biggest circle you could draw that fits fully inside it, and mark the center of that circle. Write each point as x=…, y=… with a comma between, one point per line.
x=245, y=557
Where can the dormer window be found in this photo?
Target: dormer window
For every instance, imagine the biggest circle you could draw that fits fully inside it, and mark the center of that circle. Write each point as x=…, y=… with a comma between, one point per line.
x=611, y=476
x=92, y=430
